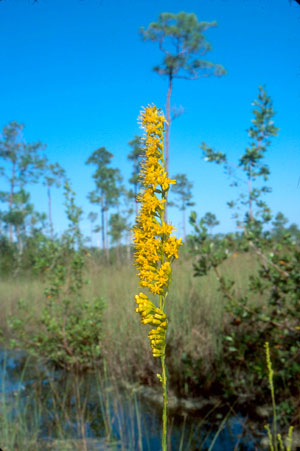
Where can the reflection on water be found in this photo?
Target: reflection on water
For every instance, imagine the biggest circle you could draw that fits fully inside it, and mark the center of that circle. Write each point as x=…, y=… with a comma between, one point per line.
x=60, y=411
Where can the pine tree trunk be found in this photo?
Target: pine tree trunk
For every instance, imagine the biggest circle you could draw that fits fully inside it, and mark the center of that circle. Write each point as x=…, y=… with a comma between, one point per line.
x=168, y=113
x=168, y=125
x=135, y=199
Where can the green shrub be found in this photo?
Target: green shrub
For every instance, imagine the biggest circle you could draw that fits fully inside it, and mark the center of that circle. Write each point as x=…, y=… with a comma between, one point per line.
x=68, y=330
x=67, y=333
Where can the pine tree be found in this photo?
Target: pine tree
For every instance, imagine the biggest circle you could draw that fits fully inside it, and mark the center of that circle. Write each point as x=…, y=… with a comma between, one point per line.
x=183, y=192
x=54, y=175
x=22, y=165
x=181, y=39
x=251, y=163
x=210, y=220
x=92, y=217
x=107, y=191
x=135, y=157
x=279, y=225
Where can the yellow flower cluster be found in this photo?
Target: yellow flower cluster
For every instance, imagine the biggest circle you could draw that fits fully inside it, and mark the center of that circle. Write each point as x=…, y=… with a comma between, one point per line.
x=150, y=314
x=155, y=247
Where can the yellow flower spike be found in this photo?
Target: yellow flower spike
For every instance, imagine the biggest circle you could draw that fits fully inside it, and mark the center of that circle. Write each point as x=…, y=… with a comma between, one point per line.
x=155, y=247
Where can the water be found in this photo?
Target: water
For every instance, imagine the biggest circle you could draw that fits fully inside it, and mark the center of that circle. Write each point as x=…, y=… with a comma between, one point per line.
x=57, y=410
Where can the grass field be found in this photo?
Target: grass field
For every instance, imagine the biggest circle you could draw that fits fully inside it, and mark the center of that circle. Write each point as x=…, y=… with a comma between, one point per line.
x=194, y=306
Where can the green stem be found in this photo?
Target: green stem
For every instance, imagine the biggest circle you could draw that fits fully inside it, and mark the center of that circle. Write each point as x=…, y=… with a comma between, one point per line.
x=165, y=397
x=270, y=374
x=164, y=386
x=274, y=416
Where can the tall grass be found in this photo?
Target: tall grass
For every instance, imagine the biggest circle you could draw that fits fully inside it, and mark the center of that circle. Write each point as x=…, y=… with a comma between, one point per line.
x=195, y=309
x=61, y=411
x=13, y=289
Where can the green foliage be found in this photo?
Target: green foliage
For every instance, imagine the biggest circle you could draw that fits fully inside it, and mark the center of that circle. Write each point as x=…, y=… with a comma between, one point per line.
x=135, y=156
x=252, y=322
x=118, y=225
x=53, y=175
x=213, y=156
x=183, y=191
x=8, y=252
x=279, y=224
x=14, y=263
x=22, y=165
x=69, y=333
x=210, y=220
x=276, y=281
x=251, y=164
x=211, y=252
x=69, y=329
x=108, y=186
x=181, y=38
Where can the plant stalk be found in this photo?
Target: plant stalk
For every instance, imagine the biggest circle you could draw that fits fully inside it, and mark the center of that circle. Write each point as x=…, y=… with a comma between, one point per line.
x=165, y=397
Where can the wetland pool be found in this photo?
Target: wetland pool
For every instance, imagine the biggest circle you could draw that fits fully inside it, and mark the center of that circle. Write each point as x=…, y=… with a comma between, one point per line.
x=42, y=409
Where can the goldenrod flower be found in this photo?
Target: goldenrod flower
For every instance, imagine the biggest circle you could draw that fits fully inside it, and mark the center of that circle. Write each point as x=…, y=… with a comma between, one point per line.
x=154, y=245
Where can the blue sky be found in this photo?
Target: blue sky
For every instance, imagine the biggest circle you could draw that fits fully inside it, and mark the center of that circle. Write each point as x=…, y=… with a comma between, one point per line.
x=77, y=74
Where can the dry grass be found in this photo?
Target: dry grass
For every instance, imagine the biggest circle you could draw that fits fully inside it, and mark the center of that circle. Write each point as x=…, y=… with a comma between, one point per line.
x=194, y=307
x=12, y=290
